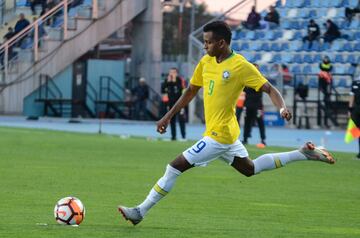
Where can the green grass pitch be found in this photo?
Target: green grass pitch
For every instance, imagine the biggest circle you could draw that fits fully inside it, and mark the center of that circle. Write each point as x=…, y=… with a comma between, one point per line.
x=38, y=167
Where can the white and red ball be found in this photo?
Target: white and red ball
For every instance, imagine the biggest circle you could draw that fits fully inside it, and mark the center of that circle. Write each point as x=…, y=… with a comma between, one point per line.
x=69, y=211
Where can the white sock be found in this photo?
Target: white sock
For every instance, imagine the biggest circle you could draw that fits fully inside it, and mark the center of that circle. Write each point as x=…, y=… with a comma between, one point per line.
x=161, y=188
x=277, y=160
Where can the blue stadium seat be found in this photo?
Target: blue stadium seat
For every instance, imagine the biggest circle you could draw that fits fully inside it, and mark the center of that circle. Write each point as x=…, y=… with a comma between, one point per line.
x=288, y=58
x=313, y=82
x=313, y=13
x=275, y=47
x=295, y=69
x=295, y=25
x=341, y=83
x=260, y=34
x=308, y=59
x=265, y=47
x=357, y=46
x=244, y=46
x=255, y=46
x=298, y=58
x=326, y=3
x=303, y=14
x=339, y=58
x=296, y=46
x=325, y=46
x=278, y=34
x=351, y=59
x=264, y=69
x=352, y=3
x=250, y=35
x=316, y=3
x=235, y=46
x=356, y=35
x=269, y=35
x=286, y=25
x=298, y=4
x=337, y=3
x=352, y=69
x=315, y=46
x=276, y=59
x=306, y=69
x=298, y=35
x=317, y=58
x=285, y=46
x=240, y=35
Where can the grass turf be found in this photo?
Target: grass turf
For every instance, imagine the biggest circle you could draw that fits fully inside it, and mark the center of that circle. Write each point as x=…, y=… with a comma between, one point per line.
x=38, y=167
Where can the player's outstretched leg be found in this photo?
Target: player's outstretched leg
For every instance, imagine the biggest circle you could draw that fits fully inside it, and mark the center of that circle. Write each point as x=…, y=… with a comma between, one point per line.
x=317, y=153
x=160, y=189
x=131, y=214
x=306, y=152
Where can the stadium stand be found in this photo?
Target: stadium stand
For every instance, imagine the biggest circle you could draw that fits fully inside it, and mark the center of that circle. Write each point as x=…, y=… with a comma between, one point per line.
x=274, y=47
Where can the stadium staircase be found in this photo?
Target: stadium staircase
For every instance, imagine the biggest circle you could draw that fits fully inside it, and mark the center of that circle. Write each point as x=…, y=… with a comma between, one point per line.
x=68, y=36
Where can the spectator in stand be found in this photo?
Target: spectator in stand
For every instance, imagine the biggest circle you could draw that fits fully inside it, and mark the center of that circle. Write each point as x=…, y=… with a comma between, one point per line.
x=350, y=12
x=332, y=31
x=286, y=75
x=141, y=94
x=33, y=3
x=76, y=3
x=313, y=32
x=173, y=88
x=20, y=25
x=325, y=82
x=253, y=20
x=9, y=34
x=272, y=19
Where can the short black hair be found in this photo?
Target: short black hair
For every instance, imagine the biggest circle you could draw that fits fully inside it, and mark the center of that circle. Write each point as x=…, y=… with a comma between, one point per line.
x=220, y=29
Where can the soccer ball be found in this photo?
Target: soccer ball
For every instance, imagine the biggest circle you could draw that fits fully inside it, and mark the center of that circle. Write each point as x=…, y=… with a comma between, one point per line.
x=69, y=211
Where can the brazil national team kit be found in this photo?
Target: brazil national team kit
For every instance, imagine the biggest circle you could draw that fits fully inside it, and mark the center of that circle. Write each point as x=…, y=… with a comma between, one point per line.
x=222, y=84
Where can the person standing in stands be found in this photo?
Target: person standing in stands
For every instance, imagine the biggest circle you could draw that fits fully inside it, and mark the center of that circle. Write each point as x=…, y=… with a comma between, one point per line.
x=253, y=20
x=313, y=33
x=254, y=111
x=172, y=89
x=325, y=82
x=33, y=3
x=272, y=19
x=354, y=105
x=141, y=94
x=350, y=12
x=332, y=31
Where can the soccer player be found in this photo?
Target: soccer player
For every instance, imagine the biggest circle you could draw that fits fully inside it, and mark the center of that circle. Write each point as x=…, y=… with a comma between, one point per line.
x=223, y=74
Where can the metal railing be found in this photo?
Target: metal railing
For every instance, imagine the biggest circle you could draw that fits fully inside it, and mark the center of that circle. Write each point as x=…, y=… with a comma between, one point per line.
x=31, y=36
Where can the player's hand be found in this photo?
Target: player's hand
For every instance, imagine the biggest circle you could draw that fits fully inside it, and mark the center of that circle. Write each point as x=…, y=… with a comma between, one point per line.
x=286, y=114
x=162, y=125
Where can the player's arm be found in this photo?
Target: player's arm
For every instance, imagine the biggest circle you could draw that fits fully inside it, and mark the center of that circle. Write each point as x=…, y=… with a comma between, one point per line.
x=182, y=102
x=277, y=100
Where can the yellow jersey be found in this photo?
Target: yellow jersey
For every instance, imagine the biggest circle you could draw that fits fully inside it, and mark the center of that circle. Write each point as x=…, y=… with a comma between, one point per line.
x=222, y=84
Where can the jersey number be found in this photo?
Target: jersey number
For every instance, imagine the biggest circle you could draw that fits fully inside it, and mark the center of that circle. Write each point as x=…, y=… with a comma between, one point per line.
x=211, y=87
x=199, y=146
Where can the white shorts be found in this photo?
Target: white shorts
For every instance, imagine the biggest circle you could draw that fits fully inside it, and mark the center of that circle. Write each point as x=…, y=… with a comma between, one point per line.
x=208, y=149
